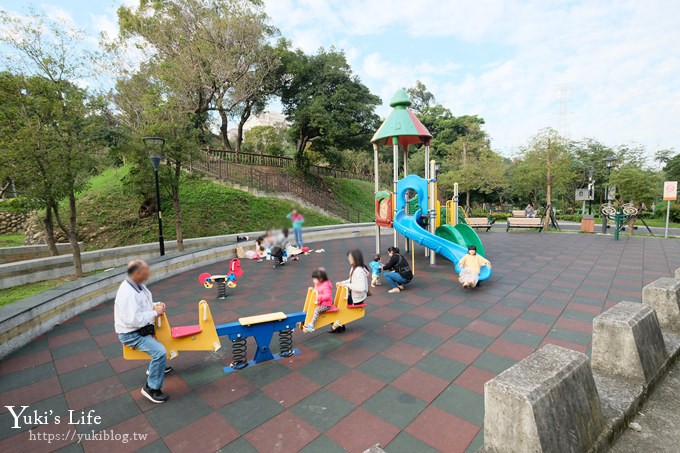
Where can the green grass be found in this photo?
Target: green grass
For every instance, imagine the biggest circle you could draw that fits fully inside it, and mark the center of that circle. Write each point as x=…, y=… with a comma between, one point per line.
x=358, y=195
x=108, y=211
x=9, y=295
x=11, y=240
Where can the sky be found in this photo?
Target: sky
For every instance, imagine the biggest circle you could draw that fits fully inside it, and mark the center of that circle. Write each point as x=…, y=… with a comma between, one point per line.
x=604, y=69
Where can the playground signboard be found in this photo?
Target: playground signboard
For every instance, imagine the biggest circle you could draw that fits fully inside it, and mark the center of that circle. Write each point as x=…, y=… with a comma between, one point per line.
x=670, y=193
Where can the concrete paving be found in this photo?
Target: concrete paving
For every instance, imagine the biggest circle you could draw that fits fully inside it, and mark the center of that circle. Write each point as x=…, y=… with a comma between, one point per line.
x=659, y=420
x=409, y=375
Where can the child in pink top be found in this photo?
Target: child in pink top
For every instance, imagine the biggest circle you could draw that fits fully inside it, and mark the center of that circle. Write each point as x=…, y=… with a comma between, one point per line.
x=324, y=296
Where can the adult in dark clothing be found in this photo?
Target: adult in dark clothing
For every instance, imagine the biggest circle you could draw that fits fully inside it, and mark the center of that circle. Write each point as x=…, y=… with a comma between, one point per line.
x=397, y=271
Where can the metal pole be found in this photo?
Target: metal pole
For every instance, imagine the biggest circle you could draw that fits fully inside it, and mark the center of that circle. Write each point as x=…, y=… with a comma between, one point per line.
x=395, y=175
x=668, y=216
x=406, y=241
x=455, y=203
x=376, y=187
x=432, y=207
x=609, y=203
x=161, y=242
x=427, y=177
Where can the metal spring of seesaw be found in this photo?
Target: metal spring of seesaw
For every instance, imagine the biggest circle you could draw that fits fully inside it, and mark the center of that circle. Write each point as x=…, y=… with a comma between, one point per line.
x=239, y=348
x=286, y=343
x=222, y=290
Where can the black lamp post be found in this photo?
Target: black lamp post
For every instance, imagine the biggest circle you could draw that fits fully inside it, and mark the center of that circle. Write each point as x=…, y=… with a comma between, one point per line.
x=609, y=161
x=154, y=148
x=591, y=190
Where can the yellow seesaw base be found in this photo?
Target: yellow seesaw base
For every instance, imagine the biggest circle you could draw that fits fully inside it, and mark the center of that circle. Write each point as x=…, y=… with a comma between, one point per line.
x=344, y=315
x=206, y=340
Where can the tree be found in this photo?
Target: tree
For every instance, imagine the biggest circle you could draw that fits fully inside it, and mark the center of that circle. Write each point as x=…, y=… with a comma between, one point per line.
x=327, y=106
x=635, y=185
x=148, y=108
x=421, y=98
x=51, y=125
x=672, y=168
x=266, y=140
x=545, y=162
x=213, y=55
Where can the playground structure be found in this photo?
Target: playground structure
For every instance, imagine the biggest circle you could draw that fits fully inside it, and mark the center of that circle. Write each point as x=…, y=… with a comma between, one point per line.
x=223, y=281
x=418, y=219
x=205, y=335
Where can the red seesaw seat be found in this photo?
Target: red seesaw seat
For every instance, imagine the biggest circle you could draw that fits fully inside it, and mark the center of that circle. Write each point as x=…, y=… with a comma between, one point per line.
x=332, y=309
x=356, y=306
x=185, y=331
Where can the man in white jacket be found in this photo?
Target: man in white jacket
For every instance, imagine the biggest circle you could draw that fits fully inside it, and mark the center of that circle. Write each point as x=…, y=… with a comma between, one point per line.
x=135, y=313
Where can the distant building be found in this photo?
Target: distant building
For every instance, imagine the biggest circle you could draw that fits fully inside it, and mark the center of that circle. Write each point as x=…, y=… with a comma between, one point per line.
x=266, y=118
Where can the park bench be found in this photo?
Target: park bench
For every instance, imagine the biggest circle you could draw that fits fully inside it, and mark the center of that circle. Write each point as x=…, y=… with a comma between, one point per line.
x=519, y=213
x=479, y=222
x=523, y=222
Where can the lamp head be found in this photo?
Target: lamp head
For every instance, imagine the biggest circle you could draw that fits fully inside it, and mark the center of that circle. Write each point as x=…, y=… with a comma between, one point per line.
x=610, y=161
x=154, y=149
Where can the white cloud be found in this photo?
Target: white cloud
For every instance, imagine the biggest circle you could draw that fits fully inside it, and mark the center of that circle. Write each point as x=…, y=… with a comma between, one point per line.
x=617, y=59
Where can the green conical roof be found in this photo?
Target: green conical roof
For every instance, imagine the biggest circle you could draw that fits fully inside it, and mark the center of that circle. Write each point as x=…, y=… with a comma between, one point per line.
x=401, y=124
x=400, y=98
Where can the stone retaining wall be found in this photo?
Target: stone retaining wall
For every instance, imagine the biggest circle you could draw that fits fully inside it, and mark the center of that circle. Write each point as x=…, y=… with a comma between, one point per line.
x=12, y=222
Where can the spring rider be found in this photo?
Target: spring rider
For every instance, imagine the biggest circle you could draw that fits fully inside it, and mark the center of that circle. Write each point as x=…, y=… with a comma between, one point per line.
x=223, y=281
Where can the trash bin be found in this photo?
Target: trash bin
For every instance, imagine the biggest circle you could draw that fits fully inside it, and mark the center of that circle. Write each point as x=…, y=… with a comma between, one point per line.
x=588, y=224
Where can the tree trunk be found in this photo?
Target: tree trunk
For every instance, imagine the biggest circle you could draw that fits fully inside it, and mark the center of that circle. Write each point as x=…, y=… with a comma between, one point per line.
x=467, y=200
x=239, y=131
x=178, y=208
x=48, y=222
x=71, y=231
x=300, y=152
x=548, y=189
x=73, y=235
x=224, y=129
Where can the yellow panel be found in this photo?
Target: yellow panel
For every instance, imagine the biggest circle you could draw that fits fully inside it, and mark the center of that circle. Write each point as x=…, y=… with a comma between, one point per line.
x=344, y=315
x=438, y=220
x=259, y=319
x=207, y=340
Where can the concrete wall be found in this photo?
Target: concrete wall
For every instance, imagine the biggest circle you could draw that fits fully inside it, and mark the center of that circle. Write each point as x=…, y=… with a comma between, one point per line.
x=35, y=270
x=24, y=320
x=31, y=252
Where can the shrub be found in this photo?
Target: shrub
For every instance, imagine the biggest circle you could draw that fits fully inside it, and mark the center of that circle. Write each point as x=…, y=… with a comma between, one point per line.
x=675, y=211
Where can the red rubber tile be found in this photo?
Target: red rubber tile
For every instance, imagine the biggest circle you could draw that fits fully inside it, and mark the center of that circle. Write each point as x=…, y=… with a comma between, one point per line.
x=138, y=429
x=210, y=433
x=577, y=326
x=77, y=361
x=347, y=387
x=509, y=349
x=95, y=393
x=405, y=353
x=31, y=393
x=537, y=328
x=420, y=384
x=459, y=352
x=360, y=430
x=485, y=328
x=439, y=329
x=226, y=390
x=24, y=361
x=474, y=378
x=443, y=431
x=291, y=389
x=284, y=433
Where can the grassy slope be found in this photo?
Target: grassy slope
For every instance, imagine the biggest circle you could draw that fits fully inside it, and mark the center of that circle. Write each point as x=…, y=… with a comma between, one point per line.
x=209, y=209
x=355, y=194
x=11, y=240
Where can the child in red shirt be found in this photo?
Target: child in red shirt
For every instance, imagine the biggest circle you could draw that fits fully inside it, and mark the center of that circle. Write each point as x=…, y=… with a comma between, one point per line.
x=324, y=296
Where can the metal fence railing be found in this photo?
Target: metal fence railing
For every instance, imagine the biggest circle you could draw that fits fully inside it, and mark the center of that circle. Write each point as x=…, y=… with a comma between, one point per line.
x=251, y=177
x=268, y=160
